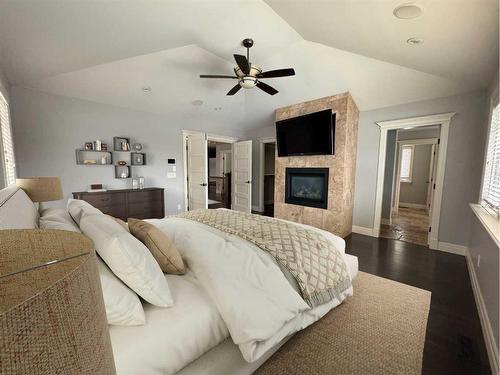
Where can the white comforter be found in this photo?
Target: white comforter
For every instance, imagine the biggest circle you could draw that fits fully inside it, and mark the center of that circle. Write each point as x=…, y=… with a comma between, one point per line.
x=256, y=301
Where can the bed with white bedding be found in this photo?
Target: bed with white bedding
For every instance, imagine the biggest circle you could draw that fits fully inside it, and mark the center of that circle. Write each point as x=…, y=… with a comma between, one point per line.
x=234, y=296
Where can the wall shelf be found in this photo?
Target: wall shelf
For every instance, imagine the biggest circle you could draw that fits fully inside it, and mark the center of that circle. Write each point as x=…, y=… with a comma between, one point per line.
x=93, y=157
x=121, y=171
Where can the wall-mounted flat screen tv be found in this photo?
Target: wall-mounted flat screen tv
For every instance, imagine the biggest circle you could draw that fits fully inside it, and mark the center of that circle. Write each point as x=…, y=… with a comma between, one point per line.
x=311, y=134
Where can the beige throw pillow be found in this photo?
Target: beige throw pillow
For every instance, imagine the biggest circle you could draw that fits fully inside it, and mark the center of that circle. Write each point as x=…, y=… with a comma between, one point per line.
x=163, y=250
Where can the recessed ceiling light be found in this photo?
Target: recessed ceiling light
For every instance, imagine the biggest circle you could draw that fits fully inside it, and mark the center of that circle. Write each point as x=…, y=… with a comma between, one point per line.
x=197, y=102
x=147, y=89
x=407, y=11
x=414, y=41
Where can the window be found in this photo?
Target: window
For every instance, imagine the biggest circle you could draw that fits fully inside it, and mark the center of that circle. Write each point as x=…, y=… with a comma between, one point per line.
x=6, y=144
x=490, y=196
x=406, y=168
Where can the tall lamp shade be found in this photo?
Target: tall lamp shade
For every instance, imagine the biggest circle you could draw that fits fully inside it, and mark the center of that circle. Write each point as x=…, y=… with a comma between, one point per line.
x=52, y=316
x=41, y=189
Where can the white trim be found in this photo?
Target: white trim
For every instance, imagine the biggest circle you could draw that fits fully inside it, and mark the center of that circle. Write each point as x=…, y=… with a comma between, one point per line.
x=424, y=141
x=452, y=248
x=443, y=119
x=363, y=230
x=221, y=138
x=413, y=205
x=489, y=337
x=490, y=223
x=262, y=142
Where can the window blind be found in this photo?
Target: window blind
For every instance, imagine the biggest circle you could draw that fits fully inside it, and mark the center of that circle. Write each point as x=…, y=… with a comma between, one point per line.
x=491, y=183
x=7, y=143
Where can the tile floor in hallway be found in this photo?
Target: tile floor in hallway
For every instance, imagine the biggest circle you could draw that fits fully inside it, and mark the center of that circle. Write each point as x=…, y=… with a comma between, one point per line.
x=409, y=225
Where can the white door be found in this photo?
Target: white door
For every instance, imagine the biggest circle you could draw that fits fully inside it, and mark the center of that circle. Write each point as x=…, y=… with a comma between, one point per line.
x=242, y=176
x=197, y=171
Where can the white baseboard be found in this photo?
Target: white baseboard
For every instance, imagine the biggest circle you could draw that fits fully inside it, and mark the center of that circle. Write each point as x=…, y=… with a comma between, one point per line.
x=363, y=230
x=489, y=337
x=452, y=248
x=413, y=205
x=385, y=221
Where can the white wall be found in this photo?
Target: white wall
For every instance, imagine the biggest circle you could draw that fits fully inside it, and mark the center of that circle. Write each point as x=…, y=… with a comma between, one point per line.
x=389, y=173
x=48, y=128
x=463, y=160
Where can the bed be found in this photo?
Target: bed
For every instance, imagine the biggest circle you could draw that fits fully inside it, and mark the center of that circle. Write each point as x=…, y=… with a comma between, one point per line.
x=193, y=332
x=232, y=310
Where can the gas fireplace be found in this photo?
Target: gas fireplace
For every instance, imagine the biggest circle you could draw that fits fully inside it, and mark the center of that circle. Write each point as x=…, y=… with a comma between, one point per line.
x=307, y=187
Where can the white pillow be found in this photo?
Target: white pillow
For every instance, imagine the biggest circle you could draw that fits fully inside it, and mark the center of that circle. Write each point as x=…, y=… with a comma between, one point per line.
x=77, y=208
x=123, y=307
x=128, y=258
x=58, y=218
x=17, y=211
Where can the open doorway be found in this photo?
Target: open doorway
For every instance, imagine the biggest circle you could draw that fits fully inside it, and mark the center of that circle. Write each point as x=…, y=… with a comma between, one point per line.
x=411, y=158
x=204, y=175
x=389, y=185
x=267, y=155
x=219, y=174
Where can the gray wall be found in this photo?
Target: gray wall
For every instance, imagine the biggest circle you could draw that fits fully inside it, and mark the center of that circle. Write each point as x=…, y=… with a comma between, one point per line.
x=464, y=159
x=48, y=128
x=388, y=174
x=416, y=191
x=482, y=246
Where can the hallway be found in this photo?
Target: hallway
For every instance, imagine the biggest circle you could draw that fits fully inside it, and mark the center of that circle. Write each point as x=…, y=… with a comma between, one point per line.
x=409, y=225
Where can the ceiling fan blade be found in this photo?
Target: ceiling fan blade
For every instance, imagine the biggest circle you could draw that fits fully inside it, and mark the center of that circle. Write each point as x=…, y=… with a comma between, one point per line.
x=277, y=73
x=242, y=63
x=234, y=90
x=216, y=76
x=264, y=87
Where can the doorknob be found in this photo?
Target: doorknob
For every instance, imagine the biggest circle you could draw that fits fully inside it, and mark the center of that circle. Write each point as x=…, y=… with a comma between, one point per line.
x=204, y=184
x=249, y=182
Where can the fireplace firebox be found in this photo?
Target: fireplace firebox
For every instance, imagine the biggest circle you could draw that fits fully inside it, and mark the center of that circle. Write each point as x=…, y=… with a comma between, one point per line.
x=307, y=187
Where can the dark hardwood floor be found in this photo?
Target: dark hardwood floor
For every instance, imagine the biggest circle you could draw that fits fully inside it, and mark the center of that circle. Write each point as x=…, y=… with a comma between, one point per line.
x=454, y=342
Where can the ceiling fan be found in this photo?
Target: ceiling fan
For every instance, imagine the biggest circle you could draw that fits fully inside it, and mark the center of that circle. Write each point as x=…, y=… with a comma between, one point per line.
x=249, y=75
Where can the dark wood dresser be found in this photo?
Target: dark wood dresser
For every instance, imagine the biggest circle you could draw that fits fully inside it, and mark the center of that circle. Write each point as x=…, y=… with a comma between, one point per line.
x=145, y=203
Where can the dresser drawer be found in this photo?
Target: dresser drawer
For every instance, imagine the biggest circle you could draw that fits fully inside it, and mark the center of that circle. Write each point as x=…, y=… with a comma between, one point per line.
x=145, y=196
x=147, y=210
x=101, y=200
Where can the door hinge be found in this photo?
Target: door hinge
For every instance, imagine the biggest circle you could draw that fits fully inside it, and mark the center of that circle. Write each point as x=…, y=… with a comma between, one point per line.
x=430, y=228
x=439, y=140
x=434, y=186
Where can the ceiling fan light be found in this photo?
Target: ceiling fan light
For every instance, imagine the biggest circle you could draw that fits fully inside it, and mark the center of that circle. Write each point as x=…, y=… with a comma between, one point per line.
x=248, y=82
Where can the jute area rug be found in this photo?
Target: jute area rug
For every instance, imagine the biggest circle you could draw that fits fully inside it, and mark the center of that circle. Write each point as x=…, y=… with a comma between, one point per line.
x=380, y=330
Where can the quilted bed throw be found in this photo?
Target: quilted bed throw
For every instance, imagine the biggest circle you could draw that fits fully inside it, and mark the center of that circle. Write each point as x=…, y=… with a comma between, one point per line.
x=318, y=268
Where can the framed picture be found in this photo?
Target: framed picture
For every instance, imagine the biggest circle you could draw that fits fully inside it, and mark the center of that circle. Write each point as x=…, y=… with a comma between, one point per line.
x=89, y=146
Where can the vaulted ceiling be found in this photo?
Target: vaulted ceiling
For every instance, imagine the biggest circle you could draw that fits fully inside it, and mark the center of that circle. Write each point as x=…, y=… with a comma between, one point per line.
x=107, y=51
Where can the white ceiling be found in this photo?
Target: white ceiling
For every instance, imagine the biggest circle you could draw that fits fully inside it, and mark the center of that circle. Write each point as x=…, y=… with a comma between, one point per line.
x=460, y=36
x=106, y=51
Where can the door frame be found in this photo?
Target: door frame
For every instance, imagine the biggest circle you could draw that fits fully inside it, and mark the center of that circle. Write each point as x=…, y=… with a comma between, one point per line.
x=442, y=119
x=411, y=142
x=210, y=137
x=262, y=142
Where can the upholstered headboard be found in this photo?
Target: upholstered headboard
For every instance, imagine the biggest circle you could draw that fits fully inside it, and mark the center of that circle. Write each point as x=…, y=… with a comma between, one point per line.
x=17, y=211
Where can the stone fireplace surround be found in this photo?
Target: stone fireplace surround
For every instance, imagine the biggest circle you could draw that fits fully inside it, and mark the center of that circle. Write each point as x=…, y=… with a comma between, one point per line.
x=337, y=217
